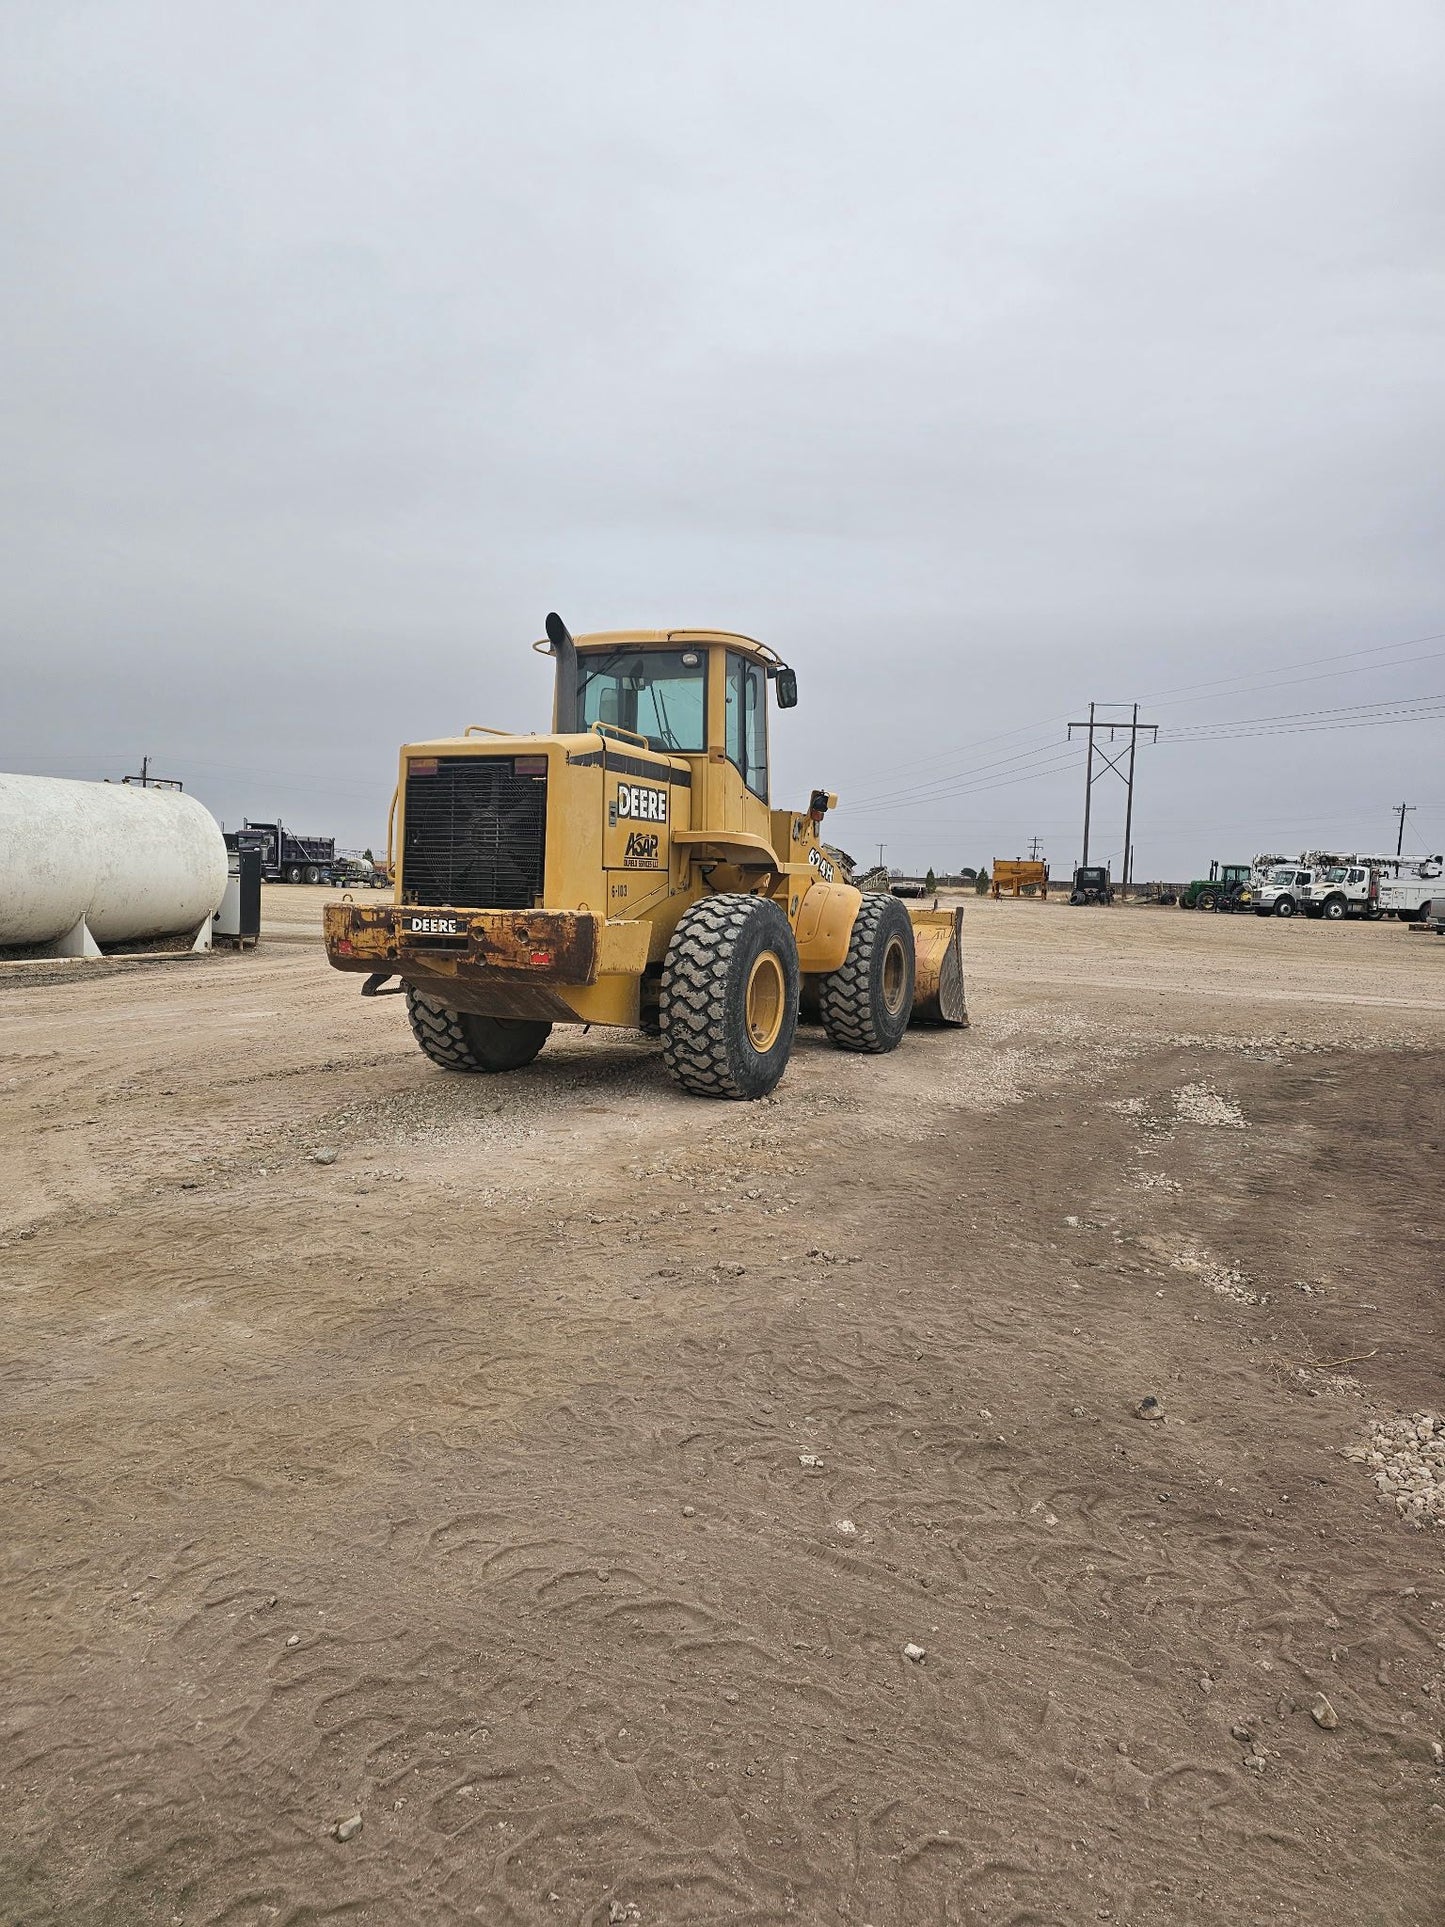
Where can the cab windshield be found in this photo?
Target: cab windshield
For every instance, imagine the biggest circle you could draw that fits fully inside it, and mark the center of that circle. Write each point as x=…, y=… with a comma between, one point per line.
x=657, y=693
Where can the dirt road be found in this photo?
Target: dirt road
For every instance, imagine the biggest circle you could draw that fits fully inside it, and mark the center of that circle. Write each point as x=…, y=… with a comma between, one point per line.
x=557, y=1478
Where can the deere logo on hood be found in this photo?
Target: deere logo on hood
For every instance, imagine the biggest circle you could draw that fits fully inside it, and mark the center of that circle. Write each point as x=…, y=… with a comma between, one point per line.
x=641, y=802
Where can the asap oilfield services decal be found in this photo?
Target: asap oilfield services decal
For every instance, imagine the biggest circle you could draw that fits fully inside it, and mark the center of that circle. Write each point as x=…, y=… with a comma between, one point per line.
x=637, y=806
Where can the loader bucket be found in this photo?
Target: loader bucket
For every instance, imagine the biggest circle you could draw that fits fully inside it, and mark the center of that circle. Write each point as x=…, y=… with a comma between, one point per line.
x=938, y=976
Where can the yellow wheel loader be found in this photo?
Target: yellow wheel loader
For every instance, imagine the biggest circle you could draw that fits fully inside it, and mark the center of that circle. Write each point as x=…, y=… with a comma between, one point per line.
x=628, y=868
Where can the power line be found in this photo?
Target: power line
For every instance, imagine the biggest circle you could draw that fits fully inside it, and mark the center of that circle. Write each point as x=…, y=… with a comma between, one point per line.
x=1164, y=696
x=1361, y=712
x=972, y=789
x=942, y=786
x=1239, y=685
x=1311, y=729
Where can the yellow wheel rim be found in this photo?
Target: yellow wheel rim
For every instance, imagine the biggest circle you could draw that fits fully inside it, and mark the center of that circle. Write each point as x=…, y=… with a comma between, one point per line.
x=895, y=975
x=766, y=999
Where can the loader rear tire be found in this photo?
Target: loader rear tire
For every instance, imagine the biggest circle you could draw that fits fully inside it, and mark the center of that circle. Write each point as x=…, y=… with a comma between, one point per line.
x=866, y=1003
x=459, y=1041
x=729, y=1004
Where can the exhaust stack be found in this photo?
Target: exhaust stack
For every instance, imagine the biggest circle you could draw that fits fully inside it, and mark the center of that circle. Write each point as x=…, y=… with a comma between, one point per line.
x=565, y=700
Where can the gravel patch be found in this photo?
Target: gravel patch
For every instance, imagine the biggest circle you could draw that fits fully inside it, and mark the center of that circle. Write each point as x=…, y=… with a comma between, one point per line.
x=1407, y=1459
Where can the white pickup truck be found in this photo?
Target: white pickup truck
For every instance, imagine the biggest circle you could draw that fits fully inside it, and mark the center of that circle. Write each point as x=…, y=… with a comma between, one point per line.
x=1419, y=898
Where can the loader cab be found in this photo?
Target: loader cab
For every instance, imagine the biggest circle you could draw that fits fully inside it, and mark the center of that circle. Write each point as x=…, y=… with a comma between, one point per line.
x=701, y=694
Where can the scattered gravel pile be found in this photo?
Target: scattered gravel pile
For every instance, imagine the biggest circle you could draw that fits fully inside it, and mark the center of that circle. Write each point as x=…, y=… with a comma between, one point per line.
x=1407, y=1458
x=1202, y=1104
x=1228, y=1280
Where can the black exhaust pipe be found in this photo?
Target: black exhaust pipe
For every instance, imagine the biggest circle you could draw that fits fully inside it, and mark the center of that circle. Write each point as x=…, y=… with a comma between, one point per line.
x=565, y=650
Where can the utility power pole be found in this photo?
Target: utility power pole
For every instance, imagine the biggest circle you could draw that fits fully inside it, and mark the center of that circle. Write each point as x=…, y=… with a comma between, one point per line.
x=1034, y=849
x=1402, y=810
x=1095, y=727
x=146, y=781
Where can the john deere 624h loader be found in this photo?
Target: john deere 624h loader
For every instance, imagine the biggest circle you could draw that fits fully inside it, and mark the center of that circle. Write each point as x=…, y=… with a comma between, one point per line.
x=628, y=868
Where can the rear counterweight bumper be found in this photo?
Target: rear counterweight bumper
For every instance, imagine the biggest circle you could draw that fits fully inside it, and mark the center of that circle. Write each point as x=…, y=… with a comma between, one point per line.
x=518, y=963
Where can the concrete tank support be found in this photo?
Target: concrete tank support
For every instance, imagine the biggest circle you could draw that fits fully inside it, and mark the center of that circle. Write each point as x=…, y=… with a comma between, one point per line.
x=86, y=864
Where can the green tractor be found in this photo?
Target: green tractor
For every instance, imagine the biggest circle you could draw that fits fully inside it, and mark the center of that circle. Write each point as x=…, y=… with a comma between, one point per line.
x=1223, y=889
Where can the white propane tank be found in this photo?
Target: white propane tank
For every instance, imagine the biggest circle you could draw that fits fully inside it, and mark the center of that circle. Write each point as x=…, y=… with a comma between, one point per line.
x=115, y=860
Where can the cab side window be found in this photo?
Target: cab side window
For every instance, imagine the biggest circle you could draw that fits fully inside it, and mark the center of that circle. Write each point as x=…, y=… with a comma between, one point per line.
x=746, y=735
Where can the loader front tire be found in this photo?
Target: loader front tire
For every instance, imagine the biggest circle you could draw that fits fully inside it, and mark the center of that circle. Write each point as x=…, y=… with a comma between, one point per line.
x=729, y=1004
x=866, y=1003
x=459, y=1041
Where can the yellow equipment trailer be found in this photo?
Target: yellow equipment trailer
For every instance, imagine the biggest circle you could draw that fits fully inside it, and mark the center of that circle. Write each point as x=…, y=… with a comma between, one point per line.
x=1014, y=873
x=629, y=868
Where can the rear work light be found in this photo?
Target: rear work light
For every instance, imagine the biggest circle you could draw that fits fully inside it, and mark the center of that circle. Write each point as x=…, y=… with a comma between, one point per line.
x=529, y=765
x=422, y=766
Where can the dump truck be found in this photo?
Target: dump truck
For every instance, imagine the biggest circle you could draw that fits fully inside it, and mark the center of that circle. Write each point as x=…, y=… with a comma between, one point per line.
x=628, y=867
x=286, y=857
x=1220, y=890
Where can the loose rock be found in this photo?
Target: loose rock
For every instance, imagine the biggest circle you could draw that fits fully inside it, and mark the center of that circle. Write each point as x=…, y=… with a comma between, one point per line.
x=347, y=1829
x=1323, y=1714
x=915, y=1653
x=325, y=1156
x=1149, y=1408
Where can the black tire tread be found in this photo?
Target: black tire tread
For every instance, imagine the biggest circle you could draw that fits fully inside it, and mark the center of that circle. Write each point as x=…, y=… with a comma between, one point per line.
x=692, y=1008
x=451, y=1039
x=845, y=999
x=440, y=1035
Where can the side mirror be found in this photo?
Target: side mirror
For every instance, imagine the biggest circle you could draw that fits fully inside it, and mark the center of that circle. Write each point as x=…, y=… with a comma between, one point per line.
x=787, y=687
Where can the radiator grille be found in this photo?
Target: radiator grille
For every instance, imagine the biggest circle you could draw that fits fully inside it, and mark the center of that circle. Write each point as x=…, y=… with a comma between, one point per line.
x=475, y=835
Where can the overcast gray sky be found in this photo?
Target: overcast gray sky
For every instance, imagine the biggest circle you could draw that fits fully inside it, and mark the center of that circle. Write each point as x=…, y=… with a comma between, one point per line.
x=984, y=359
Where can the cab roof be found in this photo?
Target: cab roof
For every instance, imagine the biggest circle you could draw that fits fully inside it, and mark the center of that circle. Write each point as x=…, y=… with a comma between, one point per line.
x=666, y=639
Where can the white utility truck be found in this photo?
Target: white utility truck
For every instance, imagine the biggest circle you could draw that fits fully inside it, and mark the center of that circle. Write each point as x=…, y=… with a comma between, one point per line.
x=1348, y=888
x=1276, y=891
x=1419, y=895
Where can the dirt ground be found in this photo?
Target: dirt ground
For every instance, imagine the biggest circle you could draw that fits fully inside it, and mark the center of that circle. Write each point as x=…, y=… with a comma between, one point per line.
x=557, y=1477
